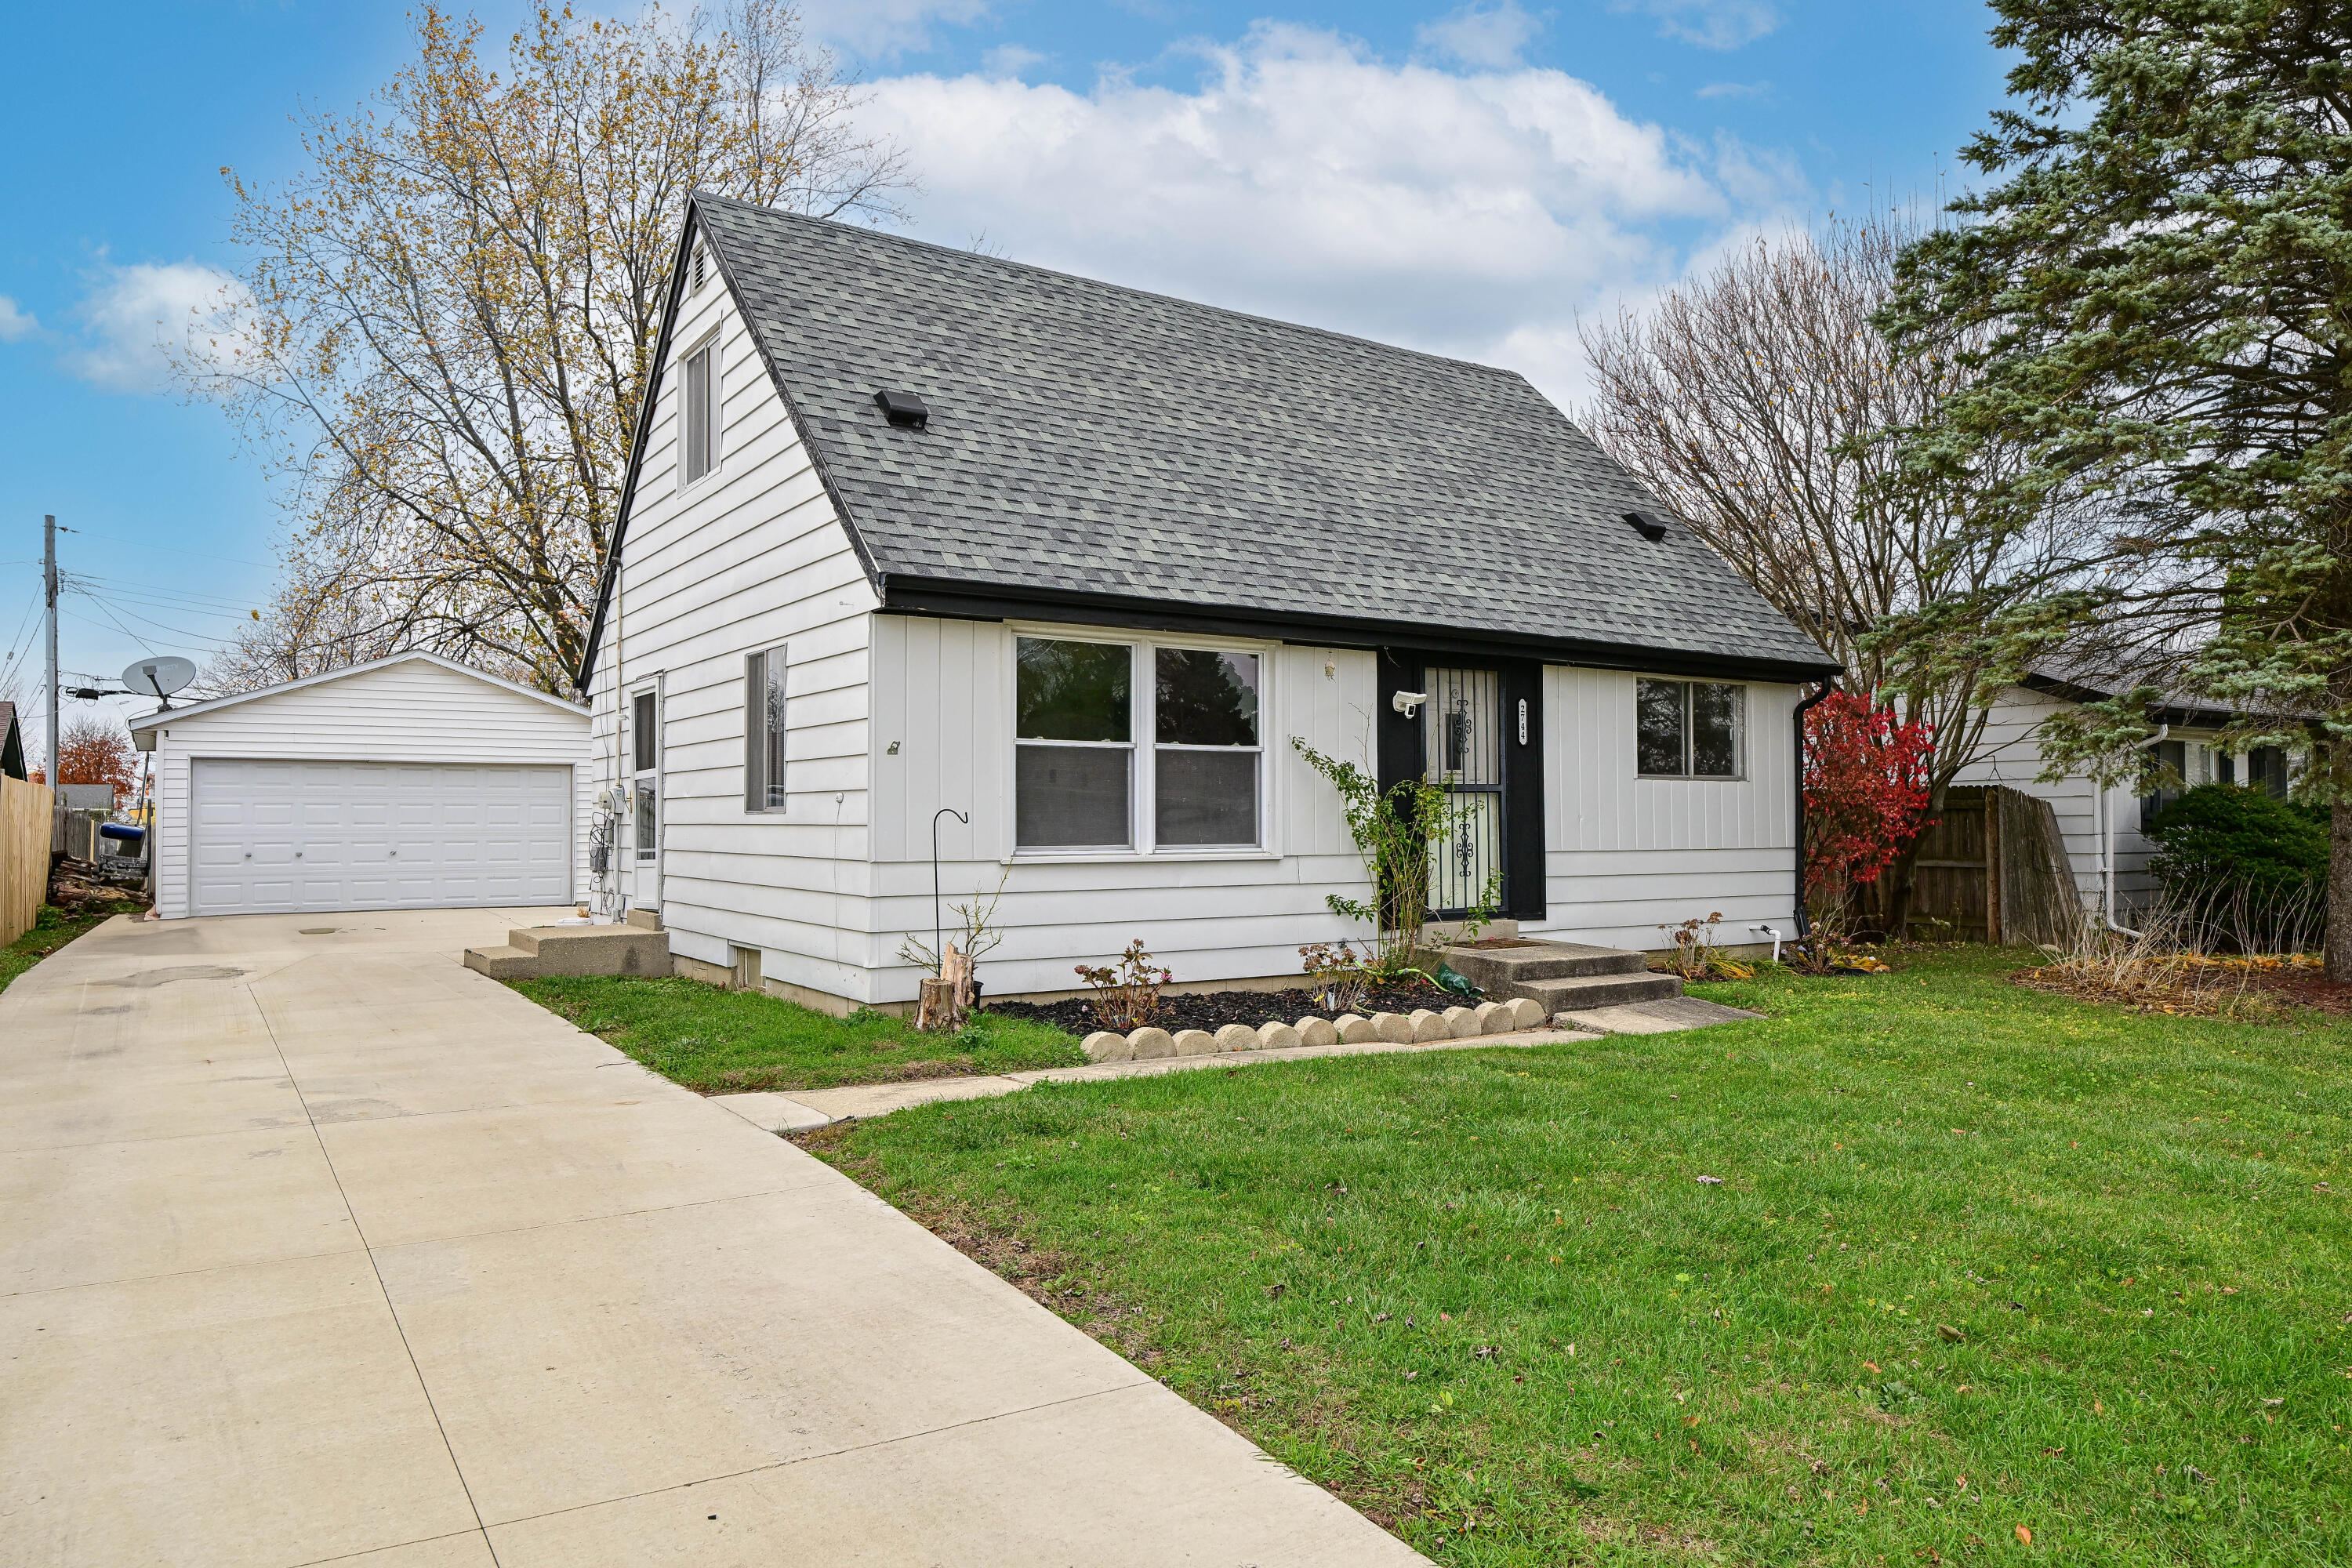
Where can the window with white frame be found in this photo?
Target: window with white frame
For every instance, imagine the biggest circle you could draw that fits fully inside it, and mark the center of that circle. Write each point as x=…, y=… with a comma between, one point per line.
x=1689, y=729
x=764, y=731
x=697, y=435
x=1080, y=707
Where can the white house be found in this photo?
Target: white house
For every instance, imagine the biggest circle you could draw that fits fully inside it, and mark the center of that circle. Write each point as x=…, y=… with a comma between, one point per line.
x=412, y=782
x=916, y=540
x=2106, y=847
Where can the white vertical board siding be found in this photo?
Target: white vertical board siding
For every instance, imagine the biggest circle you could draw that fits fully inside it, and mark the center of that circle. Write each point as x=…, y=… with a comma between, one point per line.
x=943, y=693
x=2010, y=754
x=1627, y=855
x=751, y=556
x=412, y=712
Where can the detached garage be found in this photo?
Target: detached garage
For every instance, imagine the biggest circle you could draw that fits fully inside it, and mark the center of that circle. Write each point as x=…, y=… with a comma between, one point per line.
x=412, y=782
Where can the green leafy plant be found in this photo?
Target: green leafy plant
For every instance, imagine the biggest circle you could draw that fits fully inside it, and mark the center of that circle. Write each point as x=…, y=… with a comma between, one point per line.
x=1392, y=830
x=2250, y=870
x=1126, y=995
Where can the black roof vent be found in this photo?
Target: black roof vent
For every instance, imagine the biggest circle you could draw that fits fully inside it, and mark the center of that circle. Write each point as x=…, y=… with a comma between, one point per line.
x=1648, y=527
x=903, y=408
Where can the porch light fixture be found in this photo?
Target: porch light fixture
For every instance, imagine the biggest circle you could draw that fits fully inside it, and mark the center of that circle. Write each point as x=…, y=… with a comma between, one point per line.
x=903, y=409
x=1648, y=527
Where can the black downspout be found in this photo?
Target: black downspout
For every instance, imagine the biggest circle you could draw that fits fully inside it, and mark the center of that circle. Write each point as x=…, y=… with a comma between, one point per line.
x=1804, y=926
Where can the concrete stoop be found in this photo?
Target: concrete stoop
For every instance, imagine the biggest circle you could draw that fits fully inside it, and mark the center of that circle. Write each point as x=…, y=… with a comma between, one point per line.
x=1564, y=976
x=536, y=952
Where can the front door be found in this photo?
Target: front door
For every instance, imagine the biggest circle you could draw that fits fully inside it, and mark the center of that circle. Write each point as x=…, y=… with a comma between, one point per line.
x=1461, y=752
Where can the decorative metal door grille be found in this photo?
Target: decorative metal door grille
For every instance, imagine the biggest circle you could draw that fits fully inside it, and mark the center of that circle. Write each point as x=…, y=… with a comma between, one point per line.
x=1461, y=741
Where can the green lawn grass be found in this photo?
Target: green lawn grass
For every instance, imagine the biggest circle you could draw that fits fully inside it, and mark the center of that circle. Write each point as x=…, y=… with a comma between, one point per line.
x=727, y=1042
x=1485, y=1296
x=52, y=929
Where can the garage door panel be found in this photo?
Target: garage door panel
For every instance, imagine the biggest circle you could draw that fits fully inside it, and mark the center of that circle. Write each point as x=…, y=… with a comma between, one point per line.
x=276, y=835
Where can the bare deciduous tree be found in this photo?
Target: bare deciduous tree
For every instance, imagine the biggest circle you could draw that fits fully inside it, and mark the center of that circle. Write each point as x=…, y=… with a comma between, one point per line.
x=446, y=325
x=1758, y=403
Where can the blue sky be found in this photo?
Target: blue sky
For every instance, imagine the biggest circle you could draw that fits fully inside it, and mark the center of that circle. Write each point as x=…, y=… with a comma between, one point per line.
x=1469, y=179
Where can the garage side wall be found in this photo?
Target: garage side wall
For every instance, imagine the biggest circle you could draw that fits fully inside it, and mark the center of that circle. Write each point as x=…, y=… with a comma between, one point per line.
x=749, y=558
x=411, y=713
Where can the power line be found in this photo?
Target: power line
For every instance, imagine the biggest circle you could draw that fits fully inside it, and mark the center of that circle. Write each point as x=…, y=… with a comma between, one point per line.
x=199, y=555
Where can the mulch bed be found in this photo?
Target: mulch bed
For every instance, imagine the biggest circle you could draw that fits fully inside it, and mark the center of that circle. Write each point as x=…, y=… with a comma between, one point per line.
x=1214, y=1010
x=2280, y=988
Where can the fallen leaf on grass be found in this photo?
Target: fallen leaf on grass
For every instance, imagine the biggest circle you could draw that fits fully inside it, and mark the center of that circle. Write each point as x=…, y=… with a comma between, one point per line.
x=1870, y=1366
x=2024, y=1536
x=1949, y=1334
x=1710, y=1181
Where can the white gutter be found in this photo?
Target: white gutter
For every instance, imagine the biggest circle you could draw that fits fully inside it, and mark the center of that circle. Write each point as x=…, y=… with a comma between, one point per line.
x=2107, y=846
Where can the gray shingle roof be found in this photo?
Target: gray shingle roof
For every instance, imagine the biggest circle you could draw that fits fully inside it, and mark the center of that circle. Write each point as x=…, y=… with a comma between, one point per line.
x=1093, y=438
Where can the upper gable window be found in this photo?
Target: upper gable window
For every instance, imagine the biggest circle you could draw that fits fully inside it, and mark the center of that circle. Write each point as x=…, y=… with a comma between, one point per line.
x=698, y=414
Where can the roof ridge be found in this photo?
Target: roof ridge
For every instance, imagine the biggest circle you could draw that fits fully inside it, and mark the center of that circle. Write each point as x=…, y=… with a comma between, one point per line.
x=1178, y=299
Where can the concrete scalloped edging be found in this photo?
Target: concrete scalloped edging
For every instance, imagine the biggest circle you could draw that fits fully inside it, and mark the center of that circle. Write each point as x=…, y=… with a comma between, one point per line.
x=1423, y=1027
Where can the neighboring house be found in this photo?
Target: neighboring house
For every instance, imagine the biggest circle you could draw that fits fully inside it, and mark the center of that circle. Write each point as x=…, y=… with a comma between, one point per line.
x=910, y=531
x=412, y=782
x=12, y=744
x=2103, y=831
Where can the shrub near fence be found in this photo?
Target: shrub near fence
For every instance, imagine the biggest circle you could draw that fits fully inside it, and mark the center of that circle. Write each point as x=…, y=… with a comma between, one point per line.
x=25, y=827
x=2249, y=871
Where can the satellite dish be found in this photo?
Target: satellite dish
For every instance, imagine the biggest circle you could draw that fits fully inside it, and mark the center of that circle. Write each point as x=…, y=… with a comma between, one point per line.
x=158, y=678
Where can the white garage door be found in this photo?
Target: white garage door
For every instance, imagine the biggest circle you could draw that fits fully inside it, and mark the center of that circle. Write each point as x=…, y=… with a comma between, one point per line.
x=275, y=837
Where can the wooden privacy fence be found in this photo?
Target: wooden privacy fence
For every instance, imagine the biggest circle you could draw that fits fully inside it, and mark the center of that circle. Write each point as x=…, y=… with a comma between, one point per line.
x=25, y=810
x=1994, y=869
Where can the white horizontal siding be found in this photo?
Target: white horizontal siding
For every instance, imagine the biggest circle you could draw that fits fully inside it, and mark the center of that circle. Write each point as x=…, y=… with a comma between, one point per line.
x=1626, y=854
x=750, y=557
x=944, y=696
x=412, y=712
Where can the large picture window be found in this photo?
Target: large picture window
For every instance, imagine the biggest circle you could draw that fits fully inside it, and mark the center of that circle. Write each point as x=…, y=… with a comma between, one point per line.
x=1689, y=729
x=764, y=731
x=1083, y=709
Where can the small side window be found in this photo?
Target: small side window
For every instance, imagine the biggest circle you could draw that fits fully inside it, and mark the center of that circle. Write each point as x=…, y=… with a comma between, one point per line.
x=1690, y=730
x=764, y=731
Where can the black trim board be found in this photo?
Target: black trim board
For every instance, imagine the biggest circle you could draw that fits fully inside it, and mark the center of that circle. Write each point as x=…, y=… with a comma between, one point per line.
x=995, y=602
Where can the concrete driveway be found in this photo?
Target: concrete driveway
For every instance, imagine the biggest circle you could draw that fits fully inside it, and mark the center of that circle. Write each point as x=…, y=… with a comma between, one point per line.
x=316, y=1247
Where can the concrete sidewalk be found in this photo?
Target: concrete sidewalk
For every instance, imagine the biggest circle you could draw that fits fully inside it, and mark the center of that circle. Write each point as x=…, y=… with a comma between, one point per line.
x=315, y=1247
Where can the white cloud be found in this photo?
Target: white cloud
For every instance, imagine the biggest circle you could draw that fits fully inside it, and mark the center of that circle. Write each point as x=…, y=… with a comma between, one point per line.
x=137, y=319
x=885, y=29
x=1710, y=24
x=1466, y=213
x=1735, y=90
x=1491, y=39
x=15, y=325
x=1010, y=59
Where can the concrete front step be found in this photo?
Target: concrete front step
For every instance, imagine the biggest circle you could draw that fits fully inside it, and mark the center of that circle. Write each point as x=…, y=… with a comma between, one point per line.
x=1575, y=992
x=1500, y=972
x=534, y=952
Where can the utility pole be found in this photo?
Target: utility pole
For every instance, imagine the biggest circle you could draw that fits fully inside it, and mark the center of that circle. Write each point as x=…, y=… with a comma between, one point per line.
x=49, y=586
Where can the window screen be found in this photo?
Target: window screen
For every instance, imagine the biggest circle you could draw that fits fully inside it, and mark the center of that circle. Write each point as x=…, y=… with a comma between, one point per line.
x=1073, y=773
x=1689, y=729
x=764, y=731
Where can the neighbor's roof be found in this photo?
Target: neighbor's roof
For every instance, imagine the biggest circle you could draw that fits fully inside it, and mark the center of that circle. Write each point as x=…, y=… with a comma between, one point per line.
x=12, y=744
x=163, y=716
x=1093, y=440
